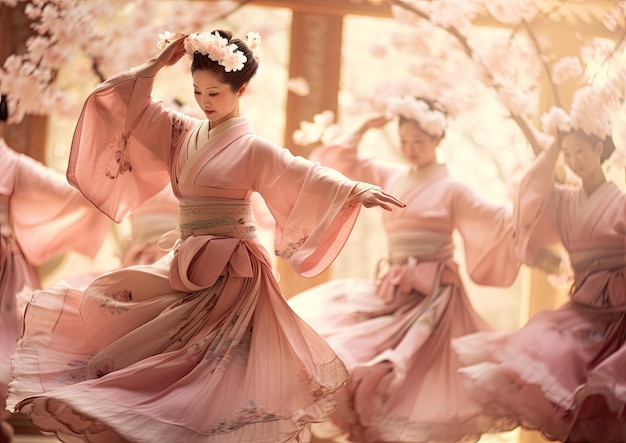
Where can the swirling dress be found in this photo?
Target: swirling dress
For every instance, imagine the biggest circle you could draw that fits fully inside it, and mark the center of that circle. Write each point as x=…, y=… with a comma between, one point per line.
x=563, y=372
x=41, y=216
x=200, y=346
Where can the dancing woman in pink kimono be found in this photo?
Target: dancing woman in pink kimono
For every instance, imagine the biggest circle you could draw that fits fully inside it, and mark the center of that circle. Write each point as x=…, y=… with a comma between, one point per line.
x=394, y=333
x=564, y=373
x=41, y=216
x=200, y=346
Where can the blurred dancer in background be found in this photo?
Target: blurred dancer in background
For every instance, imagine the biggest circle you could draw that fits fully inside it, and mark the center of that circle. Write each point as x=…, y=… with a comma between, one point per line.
x=41, y=216
x=394, y=333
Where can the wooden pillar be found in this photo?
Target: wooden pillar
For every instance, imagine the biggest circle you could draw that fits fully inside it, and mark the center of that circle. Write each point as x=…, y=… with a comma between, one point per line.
x=30, y=135
x=315, y=55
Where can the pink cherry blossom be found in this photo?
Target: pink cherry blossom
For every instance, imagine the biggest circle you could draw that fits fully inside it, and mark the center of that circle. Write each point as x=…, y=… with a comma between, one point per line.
x=566, y=68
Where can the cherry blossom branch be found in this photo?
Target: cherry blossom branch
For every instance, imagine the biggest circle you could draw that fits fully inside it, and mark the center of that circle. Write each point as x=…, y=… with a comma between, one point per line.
x=238, y=6
x=95, y=67
x=96, y=63
x=467, y=49
x=29, y=78
x=450, y=29
x=619, y=42
x=544, y=62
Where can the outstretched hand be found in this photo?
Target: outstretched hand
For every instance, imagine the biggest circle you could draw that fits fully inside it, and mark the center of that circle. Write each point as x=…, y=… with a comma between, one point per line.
x=378, y=197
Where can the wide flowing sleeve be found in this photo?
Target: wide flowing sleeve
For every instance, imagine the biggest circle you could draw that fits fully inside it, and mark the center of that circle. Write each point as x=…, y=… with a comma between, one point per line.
x=487, y=232
x=50, y=217
x=123, y=145
x=536, y=209
x=344, y=157
x=311, y=205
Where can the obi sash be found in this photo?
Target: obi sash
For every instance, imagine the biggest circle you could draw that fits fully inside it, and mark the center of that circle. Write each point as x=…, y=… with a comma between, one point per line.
x=208, y=242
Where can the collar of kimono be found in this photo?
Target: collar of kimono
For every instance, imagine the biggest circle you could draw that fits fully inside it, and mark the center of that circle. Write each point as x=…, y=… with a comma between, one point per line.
x=220, y=137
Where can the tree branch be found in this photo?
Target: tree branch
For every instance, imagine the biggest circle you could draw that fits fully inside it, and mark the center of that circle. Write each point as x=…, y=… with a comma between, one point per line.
x=544, y=63
x=239, y=5
x=467, y=49
x=619, y=42
x=95, y=67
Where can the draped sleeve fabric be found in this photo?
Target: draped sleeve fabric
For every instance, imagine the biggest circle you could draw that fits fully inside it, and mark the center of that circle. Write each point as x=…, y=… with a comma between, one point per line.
x=344, y=156
x=49, y=216
x=123, y=145
x=536, y=209
x=487, y=232
x=310, y=203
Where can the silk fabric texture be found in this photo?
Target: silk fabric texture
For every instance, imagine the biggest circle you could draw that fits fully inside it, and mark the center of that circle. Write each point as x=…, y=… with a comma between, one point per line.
x=200, y=346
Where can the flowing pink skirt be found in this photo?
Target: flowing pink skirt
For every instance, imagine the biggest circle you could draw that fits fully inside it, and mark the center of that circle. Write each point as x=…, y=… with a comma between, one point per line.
x=404, y=385
x=129, y=359
x=17, y=281
x=563, y=373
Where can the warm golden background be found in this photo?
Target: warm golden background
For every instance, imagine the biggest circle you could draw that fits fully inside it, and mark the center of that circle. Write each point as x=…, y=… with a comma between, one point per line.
x=325, y=55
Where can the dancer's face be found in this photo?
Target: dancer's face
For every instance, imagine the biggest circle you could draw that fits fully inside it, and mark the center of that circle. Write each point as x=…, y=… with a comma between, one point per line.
x=580, y=155
x=216, y=99
x=417, y=146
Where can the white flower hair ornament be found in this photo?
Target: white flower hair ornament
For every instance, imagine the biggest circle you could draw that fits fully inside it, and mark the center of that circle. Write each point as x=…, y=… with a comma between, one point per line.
x=217, y=48
x=433, y=122
x=253, y=40
x=555, y=120
x=590, y=112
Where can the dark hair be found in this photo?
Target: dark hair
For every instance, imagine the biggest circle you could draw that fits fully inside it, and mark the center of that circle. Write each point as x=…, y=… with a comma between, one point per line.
x=608, y=145
x=236, y=79
x=432, y=106
x=4, y=108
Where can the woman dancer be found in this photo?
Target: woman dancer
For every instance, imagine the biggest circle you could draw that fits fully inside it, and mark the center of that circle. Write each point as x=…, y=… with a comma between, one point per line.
x=200, y=346
x=563, y=372
x=41, y=216
x=394, y=333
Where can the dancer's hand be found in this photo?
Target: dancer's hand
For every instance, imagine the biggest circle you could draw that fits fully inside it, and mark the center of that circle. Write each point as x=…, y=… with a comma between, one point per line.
x=168, y=56
x=376, y=196
x=372, y=123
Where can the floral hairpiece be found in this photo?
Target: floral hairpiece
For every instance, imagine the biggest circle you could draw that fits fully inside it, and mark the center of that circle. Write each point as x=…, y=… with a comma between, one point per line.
x=589, y=112
x=433, y=122
x=253, y=40
x=216, y=48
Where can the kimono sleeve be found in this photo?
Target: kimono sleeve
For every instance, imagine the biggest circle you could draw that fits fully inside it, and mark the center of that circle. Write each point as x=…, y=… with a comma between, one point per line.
x=345, y=158
x=487, y=232
x=123, y=143
x=311, y=205
x=536, y=210
x=51, y=217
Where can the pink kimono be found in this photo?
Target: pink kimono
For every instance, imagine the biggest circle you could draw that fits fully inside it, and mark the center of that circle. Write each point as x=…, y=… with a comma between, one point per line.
x=200, y=346
x=41, y=215
x=564, y=372
x=394, y=333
